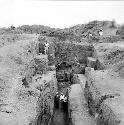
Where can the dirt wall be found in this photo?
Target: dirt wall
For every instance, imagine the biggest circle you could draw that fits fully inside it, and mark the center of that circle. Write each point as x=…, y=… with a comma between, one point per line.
x=72, y=53
x=23, y=101
x=103, y=92
x=77, y=104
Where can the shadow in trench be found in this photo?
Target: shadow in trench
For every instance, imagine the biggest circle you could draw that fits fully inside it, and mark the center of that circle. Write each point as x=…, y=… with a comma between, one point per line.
x=60, y=116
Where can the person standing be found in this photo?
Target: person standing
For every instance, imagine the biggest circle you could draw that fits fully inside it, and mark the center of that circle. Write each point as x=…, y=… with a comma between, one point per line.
x=65, y=104
x=61, y=100
x=100, y=33
x=46, y=47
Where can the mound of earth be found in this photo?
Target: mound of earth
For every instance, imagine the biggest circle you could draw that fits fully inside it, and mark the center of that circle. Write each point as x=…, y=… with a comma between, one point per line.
x=109, y=54
x=21, y=97
x=104, y=94
x=7, y=39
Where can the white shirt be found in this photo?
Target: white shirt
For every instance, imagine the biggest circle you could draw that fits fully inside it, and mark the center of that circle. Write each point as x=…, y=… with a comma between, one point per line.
x=90, y=34
x=100, y=33
x=46, y=44
x=62, y=97
x=65, y=99
x=92, y=69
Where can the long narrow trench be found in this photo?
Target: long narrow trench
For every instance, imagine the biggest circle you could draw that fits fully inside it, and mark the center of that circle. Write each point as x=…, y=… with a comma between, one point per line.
x=60, y=116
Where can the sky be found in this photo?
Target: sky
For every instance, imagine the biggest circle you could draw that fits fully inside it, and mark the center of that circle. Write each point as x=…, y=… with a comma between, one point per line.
x=58, y=14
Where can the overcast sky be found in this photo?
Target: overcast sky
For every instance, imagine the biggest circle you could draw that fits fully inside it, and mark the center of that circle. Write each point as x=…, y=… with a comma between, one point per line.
x=58, y=14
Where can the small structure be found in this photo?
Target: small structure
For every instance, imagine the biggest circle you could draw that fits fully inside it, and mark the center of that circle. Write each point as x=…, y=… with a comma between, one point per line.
x=92, y=62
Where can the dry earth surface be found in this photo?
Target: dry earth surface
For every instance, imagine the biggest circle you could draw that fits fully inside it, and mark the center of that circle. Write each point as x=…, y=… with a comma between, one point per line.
x=28, y=80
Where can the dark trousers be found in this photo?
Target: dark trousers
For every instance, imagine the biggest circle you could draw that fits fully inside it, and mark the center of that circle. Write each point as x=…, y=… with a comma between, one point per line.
x=56, y=102
x=65, y=106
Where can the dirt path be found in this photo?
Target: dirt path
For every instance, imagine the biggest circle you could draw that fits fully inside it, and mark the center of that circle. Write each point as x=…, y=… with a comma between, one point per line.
x=79, y=114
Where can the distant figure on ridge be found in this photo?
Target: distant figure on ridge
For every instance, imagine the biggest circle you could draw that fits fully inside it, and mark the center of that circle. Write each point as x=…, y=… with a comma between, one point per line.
x=100, y=32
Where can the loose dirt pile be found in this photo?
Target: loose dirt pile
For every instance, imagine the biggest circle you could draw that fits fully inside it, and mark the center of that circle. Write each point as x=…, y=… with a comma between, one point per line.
x=109, y=54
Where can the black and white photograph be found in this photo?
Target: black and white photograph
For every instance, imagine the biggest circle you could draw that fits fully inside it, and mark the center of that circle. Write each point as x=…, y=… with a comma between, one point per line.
x=61, y=62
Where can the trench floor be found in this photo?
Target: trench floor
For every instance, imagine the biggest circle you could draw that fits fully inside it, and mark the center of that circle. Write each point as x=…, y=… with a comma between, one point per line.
x=60, y=117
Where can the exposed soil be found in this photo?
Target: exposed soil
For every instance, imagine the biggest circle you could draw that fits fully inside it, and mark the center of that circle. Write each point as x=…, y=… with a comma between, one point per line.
x=60, y=117
x=29, y=79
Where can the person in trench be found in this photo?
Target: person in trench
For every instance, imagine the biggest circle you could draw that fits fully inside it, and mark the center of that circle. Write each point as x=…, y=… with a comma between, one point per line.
x=65, y=104
x=46, y=47
x=62, y=96
x=56, y=100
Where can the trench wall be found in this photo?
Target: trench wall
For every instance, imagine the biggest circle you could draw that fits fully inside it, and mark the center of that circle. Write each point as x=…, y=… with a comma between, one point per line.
x=103, y=93
x=77, y=104
x=27, y=88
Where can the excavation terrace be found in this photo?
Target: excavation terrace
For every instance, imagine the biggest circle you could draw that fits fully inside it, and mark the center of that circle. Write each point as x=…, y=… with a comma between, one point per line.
x=71, y=76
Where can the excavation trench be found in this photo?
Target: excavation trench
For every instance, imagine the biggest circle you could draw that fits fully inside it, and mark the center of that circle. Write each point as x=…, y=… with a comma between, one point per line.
x=60, y=117
x=64, y=78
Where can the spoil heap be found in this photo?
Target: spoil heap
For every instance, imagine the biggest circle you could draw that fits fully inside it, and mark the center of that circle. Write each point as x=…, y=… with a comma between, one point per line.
x=109, y=54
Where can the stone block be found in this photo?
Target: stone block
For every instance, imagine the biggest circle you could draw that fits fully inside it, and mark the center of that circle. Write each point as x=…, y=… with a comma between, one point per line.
x=91, y=62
